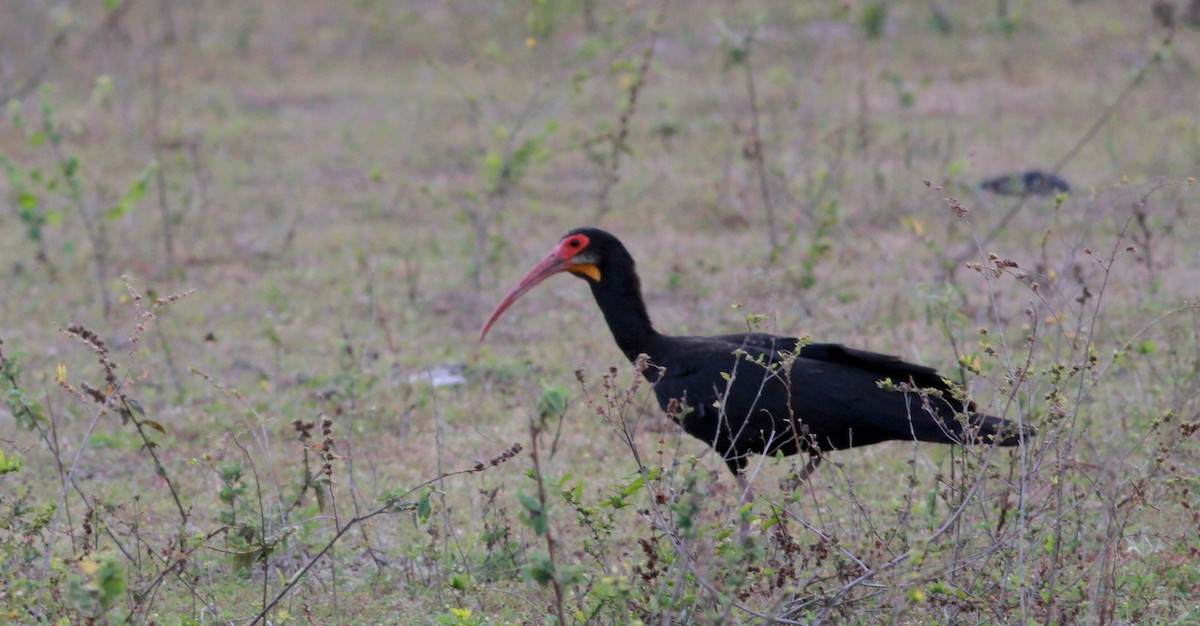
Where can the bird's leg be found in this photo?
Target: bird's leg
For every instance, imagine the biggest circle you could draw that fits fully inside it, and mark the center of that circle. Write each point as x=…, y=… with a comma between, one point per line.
x=813, y=462
x=737, y=465
x=745, y=492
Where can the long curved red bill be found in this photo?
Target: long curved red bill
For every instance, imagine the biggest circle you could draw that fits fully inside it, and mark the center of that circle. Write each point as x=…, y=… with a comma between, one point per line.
x=546, y=268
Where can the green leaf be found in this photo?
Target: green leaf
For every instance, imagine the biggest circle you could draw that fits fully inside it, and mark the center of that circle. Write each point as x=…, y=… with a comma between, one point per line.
x=11, y=464
x=538, y=520
x=541, y=569
x=26, y=201
x=424, y=509
x=319, y=490
x=553, y=401
x=102, y=89
x=137, y=189
x=633, y=487
x=491, y=165
x=737, y=56
x=14, y=113
x=133, y=194
x=109, y=580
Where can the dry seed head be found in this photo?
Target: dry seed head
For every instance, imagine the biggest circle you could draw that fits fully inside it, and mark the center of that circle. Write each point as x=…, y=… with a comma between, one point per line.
x=98, y=396
x=133, y=292
x=87, y=336
x=304, y=428
x=511, y=452
x=673, y=409
x=72, y=390
x=327, y=453
x=173, y=298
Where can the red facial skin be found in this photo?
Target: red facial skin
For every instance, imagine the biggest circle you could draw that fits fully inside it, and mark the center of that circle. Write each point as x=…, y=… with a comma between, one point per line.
x=559, y=260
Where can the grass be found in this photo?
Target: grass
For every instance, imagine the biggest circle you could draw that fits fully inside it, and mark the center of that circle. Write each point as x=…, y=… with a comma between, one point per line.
x=349, y=189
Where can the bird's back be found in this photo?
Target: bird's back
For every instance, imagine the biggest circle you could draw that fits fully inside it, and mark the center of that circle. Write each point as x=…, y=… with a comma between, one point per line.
x=741, y=391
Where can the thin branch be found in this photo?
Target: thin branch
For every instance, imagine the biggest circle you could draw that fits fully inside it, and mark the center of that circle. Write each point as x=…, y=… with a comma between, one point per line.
x=617, y=145
x=394, y=504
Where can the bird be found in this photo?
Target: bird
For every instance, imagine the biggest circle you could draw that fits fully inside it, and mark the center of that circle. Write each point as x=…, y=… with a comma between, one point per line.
x=758, y=393
x=1032, y=182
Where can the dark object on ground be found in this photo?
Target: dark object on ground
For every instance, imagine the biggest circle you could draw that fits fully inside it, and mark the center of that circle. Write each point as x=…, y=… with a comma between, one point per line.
x=1164, y=12
x=1033, y=182
x=738, y=393
x=1191, y=16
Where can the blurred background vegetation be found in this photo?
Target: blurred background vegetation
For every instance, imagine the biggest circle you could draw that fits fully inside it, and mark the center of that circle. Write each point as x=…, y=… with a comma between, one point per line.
x=280, y=224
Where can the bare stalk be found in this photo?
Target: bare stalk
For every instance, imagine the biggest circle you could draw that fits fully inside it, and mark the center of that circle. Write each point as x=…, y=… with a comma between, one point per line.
x=395, y=504
x=535, y=434
x=754, y=145
x=612, y=174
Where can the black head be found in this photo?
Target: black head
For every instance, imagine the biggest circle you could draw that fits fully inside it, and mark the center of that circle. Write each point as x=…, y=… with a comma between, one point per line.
x=589, y=253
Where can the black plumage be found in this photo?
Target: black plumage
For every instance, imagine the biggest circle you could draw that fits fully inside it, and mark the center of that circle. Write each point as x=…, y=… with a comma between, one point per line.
x=756, y=393
x=1032, y=182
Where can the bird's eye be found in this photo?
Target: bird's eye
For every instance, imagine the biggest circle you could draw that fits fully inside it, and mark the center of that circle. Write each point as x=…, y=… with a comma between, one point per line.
x=574, y=243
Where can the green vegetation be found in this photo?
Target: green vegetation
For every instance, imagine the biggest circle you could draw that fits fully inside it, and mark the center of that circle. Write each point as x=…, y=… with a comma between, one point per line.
x=246, y=248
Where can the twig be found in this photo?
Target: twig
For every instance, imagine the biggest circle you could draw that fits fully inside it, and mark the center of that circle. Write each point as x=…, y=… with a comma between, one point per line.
x=393, y=505
x=612, y=175
x=535, y=434
x=160, y=177
x=754, y=145
x=168, y=356
x=172, y=565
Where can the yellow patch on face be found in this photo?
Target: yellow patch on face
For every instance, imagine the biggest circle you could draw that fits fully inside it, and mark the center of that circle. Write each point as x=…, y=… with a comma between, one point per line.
x=586, y=269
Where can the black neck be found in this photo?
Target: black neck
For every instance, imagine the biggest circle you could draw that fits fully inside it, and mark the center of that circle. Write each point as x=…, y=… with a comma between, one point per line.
x=620, y=299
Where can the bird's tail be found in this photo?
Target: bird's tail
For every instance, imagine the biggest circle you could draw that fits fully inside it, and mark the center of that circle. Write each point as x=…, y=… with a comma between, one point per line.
x=986, y=429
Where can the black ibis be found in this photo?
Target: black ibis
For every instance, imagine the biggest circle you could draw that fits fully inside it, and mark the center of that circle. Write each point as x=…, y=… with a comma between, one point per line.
x=760, y=393
x=1032, y=182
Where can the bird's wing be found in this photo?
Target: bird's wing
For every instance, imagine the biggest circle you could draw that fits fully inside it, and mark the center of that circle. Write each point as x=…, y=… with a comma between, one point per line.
x=759, y=342
x=851, y=385
x=883, y=365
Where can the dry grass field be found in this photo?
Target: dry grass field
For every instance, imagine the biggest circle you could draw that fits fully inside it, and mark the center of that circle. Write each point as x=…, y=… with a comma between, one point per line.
x=246, y=250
